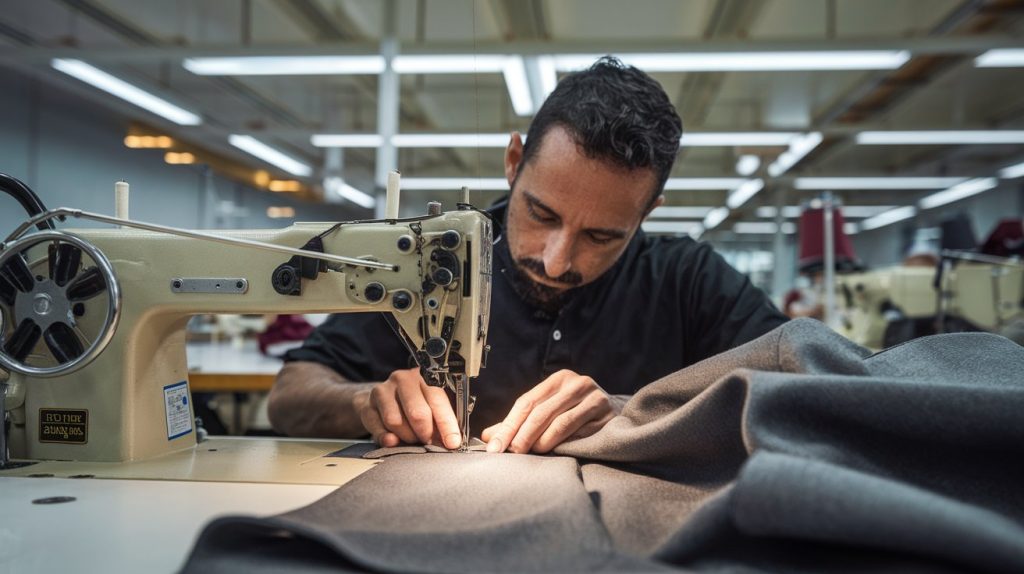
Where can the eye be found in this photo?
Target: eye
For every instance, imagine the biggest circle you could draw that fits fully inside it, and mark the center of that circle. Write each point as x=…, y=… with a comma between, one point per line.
x=600, y=238
x=539, y=215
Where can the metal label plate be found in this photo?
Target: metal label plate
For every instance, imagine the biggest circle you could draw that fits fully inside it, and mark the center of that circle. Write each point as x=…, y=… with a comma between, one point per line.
x=227, y=285
x=67, y=426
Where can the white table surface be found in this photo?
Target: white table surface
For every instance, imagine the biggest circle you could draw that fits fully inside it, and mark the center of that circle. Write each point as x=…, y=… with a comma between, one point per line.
x=223, y=357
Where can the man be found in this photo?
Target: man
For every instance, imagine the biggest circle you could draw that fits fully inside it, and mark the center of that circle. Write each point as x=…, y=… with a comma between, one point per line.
x=585, y=308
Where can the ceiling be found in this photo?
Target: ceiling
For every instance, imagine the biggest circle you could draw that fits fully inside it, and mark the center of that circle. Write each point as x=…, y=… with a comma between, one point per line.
x=144, y=42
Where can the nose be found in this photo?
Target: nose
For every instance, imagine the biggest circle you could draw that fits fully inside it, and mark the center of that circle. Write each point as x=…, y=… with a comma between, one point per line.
x=558, y=254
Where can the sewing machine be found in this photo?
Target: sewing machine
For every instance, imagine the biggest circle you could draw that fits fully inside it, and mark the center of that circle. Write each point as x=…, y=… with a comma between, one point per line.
x=92, y=330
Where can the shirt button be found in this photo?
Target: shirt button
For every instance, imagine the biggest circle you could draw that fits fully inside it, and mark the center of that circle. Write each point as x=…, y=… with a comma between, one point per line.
x=556, y=335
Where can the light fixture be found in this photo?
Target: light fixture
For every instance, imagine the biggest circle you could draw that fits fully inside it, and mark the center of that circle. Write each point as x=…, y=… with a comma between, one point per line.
x=702, y=183
x=690, y=228
x=798, y=149
x=270, y=155
x=337, y=186
x=261, y=178
x=941, y=137
x=280, y=212
x=346, y=140
x=715, y=216
x=763, y=227
x=518, y=86
x=455, y=183
x=958, y=192
x=1001, y=58
x=726, y=139
x=547, y=75
x=850, y=228
x=788, y=211
x=127, y=92
x=823, y=183
x=794, y=211
x=743, y=192
x=146, y=141
x=449, y=64
x=177, y=158
x=888, y=217
x=285, y=65
x=285, y=185
x=747, y=164
x=450, y=140
x=679, y=212
x=1012, y=171
x=748, y=61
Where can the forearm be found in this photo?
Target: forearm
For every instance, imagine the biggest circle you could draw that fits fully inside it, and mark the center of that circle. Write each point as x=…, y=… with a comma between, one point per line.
x=311, y=400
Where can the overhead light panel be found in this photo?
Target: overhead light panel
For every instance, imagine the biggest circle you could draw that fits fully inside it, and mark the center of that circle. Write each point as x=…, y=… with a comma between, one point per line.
x=737, y=139
x=743, y=192
x=748, y=61
x=179, y=158
x=346, y=140
x=788, y=211
x=851, y=228
x=455, y=183
x=518, y=86
x=679, y=212
x=285, y=185
x=127, y=92
x=337, y=187
x=941, y=137
x=691, y=228
x=547, y=75
x=888, y=217
x=860, y=183
x=702, y=183
x=747, y=164
x=275, y=157
x=450, y=140
x=137, y=141
x=716, y=216
x=280, y=212
x=958, y=192
x=449, y=64
x=798, y=149
x=1012, y=171
x=763, y=227
x=285, y=65
x=1001, y=58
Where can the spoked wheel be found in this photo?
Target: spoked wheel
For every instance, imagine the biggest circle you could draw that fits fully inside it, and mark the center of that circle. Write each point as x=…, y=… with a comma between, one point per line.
x=59, y=304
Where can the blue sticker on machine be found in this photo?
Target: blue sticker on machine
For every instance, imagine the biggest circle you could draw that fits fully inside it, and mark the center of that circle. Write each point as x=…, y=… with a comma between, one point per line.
x=179, y=415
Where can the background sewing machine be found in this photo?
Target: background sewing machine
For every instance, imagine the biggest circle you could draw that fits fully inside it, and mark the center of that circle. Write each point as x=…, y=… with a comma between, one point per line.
x=93, y=337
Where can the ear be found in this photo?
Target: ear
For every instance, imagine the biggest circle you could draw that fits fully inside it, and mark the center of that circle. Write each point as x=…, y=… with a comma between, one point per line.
x=657, y=203
x=513, y=157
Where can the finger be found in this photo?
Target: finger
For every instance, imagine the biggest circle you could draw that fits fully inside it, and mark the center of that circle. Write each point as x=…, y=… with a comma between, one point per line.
x=375, y=426
x=541, y=418
x=593, y=408
x=499, y=436
x=415, y=407
x=382, y=398
x=444, y=417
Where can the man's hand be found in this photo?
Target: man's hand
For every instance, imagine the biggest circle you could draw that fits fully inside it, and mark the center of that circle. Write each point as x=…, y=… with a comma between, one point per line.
x=566, y=405
x=404, y=409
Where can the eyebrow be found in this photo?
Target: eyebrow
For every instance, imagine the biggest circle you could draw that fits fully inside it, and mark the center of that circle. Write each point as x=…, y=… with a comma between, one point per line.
x=613, y=233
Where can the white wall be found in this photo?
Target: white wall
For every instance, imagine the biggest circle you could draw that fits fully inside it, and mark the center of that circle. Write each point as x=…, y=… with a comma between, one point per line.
x=71, y=152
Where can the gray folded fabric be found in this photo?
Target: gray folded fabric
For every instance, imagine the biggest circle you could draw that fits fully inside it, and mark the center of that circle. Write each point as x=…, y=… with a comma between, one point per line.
x=796, y=452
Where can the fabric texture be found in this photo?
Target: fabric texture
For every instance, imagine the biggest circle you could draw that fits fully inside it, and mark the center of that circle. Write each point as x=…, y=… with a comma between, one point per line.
x=685, y=303
x=797, y=452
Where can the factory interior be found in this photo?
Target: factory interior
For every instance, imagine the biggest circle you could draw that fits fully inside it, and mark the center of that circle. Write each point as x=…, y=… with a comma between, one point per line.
x=382, y=285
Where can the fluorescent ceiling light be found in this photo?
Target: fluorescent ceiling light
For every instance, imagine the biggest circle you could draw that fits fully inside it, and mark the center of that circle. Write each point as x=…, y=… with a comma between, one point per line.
x=702, y=183
x=888, y=217
x=958, y=192
x=677, y=227
x=855, y=211
x=875, y=182
x=747, y=164
x=338, y=187
x=798, y=149
x=450, y=140
x=753, y=139
x=1002, y=58
x=518, y=86
x=680, y=212
x=788, y=211
x=548, y=75
x=716, y=216
x=127, y=92
x=748, y=61
x=455, y=183
x=270, y=155
x=942, y=137
x=851, y=228
x=762, y=227
x=1012, y=171
x=449, y=64
x=285, y=65
x=346, y=140
x=743, y=192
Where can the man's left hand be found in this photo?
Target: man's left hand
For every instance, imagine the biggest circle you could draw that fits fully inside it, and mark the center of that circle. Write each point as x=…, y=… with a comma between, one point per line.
x=566, y=405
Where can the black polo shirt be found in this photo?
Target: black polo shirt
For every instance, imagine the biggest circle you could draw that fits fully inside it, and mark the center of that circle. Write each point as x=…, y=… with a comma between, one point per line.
x=666, y=304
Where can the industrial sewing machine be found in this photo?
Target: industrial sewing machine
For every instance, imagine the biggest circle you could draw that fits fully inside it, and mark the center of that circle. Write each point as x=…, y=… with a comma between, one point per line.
x=92, y=326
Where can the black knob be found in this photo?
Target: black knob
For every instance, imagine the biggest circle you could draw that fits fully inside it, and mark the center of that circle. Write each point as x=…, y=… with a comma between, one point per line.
x=401, y=300
x=442, y=276
x=404, y=243
x=285, y=279
x=450, y=239
x=435, y=347
x=374, y=292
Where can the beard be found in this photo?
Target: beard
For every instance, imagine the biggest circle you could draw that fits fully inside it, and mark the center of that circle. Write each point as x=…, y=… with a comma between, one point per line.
x=544, y=297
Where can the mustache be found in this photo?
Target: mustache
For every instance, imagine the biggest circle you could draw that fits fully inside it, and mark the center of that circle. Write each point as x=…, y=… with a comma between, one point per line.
x=571, y=278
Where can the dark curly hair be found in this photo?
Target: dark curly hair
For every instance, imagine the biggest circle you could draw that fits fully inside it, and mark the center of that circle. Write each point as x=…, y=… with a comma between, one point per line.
x=616, y=113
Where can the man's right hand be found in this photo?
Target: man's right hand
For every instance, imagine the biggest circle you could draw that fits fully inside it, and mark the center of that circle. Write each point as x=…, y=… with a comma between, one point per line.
x=404, y=409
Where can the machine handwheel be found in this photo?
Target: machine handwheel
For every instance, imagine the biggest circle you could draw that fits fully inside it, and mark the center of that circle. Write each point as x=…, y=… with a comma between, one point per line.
x=48, y=297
